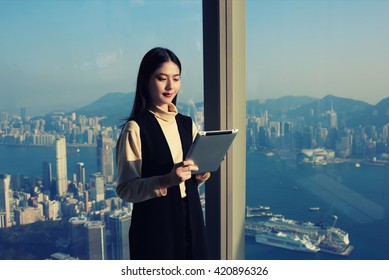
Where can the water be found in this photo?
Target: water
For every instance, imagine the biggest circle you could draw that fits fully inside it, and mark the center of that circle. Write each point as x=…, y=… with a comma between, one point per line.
x=289, y=189
x=359, y=197
x=28, y=160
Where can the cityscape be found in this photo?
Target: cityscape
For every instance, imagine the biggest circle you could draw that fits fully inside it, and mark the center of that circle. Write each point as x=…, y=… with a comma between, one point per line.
x=93, y=222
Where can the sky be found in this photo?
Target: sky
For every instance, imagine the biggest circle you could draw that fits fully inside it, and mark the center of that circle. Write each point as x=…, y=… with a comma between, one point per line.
x=65, y=54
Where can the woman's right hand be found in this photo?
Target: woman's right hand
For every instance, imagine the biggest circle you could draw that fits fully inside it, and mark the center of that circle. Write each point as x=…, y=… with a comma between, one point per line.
x=180, y=173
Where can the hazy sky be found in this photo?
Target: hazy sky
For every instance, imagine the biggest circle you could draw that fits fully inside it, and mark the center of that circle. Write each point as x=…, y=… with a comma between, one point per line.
x=317, y=48
x=65, y=54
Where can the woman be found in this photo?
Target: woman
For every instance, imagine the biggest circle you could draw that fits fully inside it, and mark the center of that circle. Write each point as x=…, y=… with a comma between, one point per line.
x=167, y=219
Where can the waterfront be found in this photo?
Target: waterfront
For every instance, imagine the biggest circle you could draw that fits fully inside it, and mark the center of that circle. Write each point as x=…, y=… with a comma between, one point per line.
x=358, y=196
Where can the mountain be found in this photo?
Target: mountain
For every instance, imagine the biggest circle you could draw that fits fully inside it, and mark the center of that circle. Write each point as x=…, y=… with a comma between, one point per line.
x=114, y=106
x=377, y=115
x=278, y=107
x=351, y=113
x=345, y=108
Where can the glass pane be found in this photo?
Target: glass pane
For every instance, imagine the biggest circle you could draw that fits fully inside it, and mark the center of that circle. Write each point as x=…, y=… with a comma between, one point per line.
x=68, y=68
x=317, y=130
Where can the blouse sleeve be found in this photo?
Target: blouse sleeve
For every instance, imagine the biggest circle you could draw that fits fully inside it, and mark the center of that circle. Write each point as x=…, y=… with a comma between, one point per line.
x=131, y=187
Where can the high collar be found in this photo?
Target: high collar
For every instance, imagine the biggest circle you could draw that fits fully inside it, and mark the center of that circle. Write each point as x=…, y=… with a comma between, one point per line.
x=168, y=116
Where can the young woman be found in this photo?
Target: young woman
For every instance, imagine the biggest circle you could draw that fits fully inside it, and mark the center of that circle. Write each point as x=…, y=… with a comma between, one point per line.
x=167, y=219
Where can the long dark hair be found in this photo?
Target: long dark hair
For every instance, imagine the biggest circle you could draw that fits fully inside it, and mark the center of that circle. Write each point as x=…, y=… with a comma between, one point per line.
x=152, y=60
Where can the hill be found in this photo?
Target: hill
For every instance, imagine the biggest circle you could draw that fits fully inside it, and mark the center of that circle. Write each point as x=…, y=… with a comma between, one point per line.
x=377, y=115
x=117, y=106
x=346, y=109
x=114, y=106
x=278, y=107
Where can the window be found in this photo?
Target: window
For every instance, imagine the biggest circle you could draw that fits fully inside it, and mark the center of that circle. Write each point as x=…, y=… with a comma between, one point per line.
x=68, y=68
x=317, y=130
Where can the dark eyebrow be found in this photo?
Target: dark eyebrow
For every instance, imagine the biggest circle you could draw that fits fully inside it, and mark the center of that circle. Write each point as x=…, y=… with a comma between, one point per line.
x=164, y=74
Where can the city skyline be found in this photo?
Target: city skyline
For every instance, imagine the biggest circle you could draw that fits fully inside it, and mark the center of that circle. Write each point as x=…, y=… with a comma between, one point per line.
x=61, y=55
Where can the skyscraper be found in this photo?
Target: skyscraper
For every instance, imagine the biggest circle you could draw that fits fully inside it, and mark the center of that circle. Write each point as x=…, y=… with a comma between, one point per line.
x=333, y=117
x=61, y=162
x=47, y=175
x=5, y=181
x=120, y=224
x=80, y=172
x=105, y=157
x=77, y=236
x=95, y=240
x=23, y=114
x=96, y=187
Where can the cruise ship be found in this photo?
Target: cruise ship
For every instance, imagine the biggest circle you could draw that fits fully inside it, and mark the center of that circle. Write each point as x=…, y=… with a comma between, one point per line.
x=326, y=239
x=284, y=240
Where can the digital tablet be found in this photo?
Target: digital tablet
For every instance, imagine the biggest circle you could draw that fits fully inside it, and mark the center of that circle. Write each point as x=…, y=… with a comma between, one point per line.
x=209, y=149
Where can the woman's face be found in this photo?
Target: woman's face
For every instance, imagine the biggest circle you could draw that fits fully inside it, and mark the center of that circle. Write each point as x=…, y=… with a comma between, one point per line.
x=164, y=84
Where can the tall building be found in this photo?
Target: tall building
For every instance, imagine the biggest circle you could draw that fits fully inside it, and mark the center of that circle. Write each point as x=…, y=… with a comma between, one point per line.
x=47, y=175
x=96, y=187
x=119, y=225
x=333, y=117
x=105, y=157
x=23, y=114
x=86, y=201
x=95, y=240
x=80, y=173
x=29, y=215
x=77, y=237
x=51, y=210
x=61, y=162
x=5, y=181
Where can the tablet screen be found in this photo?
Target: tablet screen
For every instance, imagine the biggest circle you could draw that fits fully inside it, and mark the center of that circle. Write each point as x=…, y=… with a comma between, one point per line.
x=209, y=148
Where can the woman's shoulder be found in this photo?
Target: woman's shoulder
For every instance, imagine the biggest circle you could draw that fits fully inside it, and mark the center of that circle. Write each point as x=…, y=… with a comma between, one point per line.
x=131, y=126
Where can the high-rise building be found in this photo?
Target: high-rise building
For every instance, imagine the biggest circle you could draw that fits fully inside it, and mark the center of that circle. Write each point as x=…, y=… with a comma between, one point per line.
x=47, y=175
x=95, y=240
x=80, y=173
x=51, y=210
x=29, y=215
x=23, y=114
x=287, y=133
x=77, y=237
x=333, y=117
x=61, y=162
x=105, y=157
x=96, y=187
x=86, y=201
x=119, y=225
x=5, y=181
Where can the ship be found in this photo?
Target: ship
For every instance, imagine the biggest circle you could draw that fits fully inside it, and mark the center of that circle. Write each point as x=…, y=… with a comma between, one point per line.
x=285, y=240
x=328, y=239
x=314, y=208
x=258, y=211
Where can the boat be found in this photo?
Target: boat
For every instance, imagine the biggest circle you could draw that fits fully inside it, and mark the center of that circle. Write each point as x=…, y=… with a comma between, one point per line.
x=285, y=240
x=258, y=211
x=314, y=208
x=328, y=239
x=357, y=164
